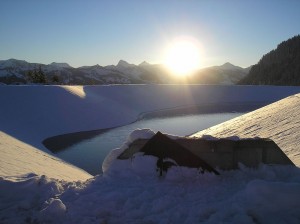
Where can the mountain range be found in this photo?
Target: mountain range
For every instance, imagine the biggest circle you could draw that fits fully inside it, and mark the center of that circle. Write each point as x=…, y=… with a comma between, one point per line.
x=13, y=71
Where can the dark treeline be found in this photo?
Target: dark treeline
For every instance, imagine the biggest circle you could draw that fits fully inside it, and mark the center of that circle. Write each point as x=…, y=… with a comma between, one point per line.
x=278, y=67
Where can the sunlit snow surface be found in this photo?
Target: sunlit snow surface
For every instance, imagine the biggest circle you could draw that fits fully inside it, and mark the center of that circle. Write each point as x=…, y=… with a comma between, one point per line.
x=131, y=191
x=18, y=158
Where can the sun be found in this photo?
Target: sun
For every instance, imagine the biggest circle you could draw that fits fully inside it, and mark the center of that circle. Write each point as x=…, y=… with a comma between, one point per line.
x=183, y=57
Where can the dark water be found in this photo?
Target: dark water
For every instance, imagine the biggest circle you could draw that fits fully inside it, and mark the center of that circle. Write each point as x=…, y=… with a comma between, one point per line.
x=89, y=154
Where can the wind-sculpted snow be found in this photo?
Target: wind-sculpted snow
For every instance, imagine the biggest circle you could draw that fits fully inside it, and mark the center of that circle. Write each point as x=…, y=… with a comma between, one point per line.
x=279, y=121
x=270, y=194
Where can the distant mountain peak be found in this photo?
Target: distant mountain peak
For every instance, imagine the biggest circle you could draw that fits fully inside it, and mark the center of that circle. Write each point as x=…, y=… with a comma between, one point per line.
x=124, y=64
x=60, y=65
x=16, y=60
x=229, y=66
x=13, y=63
x=144, y=63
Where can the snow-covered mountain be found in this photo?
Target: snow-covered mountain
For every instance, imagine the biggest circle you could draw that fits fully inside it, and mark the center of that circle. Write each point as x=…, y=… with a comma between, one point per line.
x=229, y=66
x=129, y=70
x=226, y=74
x=14, y=71
x=61, y=65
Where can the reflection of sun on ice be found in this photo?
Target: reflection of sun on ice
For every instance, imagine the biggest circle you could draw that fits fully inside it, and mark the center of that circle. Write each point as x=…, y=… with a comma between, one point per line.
x=183, y=57
x=76, y=90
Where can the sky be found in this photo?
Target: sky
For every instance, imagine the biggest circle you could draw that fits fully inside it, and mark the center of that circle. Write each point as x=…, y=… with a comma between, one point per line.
x=81, y=32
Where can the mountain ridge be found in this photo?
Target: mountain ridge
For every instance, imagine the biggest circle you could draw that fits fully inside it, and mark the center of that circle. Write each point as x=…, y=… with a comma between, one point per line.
x=280, y=66
x=14, y=71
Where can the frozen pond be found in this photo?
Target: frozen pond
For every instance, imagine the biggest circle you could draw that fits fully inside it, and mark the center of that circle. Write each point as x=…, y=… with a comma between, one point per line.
x=89, y=154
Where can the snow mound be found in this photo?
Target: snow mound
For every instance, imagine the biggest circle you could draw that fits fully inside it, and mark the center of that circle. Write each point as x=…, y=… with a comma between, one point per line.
x=269, y=194
x=54, y=211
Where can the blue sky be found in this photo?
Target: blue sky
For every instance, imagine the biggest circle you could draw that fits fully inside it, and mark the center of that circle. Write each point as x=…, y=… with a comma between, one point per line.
x=87, y=32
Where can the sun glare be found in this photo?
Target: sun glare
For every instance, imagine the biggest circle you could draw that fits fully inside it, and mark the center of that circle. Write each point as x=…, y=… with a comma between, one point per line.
x=183, y=57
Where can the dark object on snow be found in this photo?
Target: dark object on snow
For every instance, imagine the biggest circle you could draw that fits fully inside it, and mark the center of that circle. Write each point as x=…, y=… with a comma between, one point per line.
x=225, y=154
x=163, y=147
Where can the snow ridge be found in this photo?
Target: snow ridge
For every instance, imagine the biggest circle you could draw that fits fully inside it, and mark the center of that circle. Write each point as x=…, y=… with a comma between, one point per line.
x=14, y=71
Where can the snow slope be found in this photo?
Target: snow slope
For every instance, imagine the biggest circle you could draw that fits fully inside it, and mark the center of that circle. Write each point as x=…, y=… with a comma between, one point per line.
x=279, y=121
x=19, y=159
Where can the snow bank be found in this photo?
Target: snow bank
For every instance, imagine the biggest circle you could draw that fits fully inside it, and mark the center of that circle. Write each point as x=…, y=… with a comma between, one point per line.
x=110, y=161
x=18, y=159
x=270, y=194
x=279, y=121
